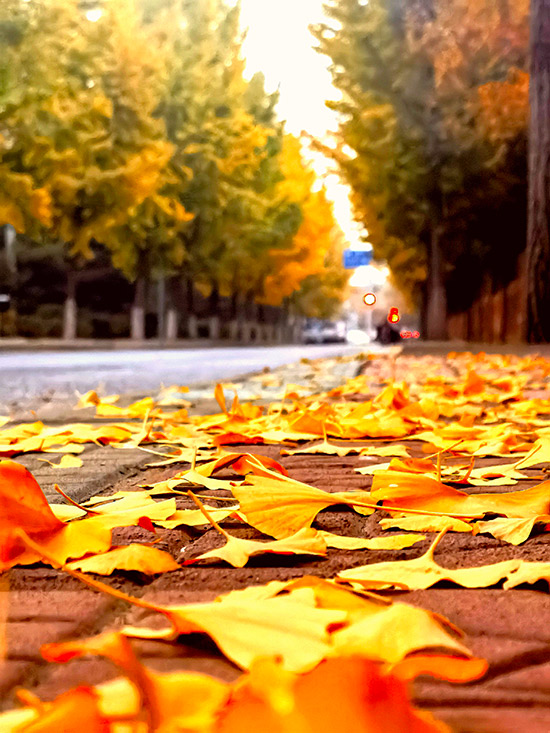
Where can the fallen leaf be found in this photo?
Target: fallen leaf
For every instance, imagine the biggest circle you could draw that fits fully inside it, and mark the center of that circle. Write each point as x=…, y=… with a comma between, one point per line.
x=281, y=508
x=280, y=627
x=237, y=551
x=395, y=449
x=513, y=531
x=419, y=523
x=392, y=542
x=147, y=560
x=194, y=517
x=325, y=448
x=423, y=572
x=391, y=633
x=23, y=506
x=347, y=695
x=182, y=701
x=80, y=704
x=67, y=461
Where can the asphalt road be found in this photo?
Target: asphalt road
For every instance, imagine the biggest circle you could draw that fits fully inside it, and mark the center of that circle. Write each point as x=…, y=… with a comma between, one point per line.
x=25, y=376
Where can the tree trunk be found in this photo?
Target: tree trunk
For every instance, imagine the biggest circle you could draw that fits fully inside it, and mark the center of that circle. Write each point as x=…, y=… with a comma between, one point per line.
x=214, y=301
x=69, y=309
x=538, y=210
x=137, y=325
x=436, y=303
x=175, y=298
x=161, y=310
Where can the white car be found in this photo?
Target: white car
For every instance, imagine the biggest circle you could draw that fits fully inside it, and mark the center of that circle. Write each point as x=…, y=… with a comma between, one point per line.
x=333, y=332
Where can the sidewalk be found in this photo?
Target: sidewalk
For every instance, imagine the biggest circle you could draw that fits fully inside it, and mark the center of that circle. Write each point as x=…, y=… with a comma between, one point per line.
x=507, y=627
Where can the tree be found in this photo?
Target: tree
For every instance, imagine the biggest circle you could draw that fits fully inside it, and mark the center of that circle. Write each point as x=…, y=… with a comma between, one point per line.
x=78, y=103
x=538, y=234
x=425, y=174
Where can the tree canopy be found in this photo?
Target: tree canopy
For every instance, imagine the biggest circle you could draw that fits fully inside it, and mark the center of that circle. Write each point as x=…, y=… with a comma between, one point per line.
x=432, y=134
x=136, y=128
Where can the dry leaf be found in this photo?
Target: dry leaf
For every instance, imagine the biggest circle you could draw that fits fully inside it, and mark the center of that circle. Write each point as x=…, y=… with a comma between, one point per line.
x=325, y=448
x=194, y=517
x=147, y=560
x=419, y=523
x=237, y=551
x=22, y=506
x=280, y=508
x=389, y=542
x=182, y=701
x=423, y=572
x=514, y=531
x=243, y=631
x=344, y=695
x=67, y=461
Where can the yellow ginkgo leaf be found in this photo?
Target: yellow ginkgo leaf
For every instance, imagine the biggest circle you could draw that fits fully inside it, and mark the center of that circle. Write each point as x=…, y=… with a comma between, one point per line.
x=281, y=507
x=423, y=572
x=514, y=531
x=147, y=560
x=194, y=517
x=419, y=523
x=237, y=551
x=388, y=542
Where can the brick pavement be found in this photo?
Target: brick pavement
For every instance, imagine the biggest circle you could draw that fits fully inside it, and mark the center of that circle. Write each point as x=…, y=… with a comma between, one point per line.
x=509, y=628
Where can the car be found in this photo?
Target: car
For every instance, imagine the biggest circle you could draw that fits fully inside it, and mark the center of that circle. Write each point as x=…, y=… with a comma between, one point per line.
x=312, y=332
x=333, y=332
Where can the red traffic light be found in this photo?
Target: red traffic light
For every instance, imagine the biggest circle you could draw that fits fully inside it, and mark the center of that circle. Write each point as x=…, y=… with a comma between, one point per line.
x=393, y=315
x=369, y=299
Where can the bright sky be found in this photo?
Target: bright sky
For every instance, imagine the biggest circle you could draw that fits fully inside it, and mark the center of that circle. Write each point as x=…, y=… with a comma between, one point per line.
x=280, y=45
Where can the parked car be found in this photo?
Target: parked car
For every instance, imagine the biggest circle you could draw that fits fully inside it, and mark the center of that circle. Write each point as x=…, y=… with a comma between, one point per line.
x=312, y=332
x=318, y=331
x=333, y=332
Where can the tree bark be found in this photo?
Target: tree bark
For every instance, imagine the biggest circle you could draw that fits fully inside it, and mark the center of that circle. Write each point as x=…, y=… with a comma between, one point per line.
x=436, y=304
x=70, y=309
x=538, y=210
x=161, y=310
x=137, y=325
x=174, y=310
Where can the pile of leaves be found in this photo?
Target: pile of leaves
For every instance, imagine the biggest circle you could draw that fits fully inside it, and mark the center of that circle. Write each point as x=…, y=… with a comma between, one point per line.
x=292, y=639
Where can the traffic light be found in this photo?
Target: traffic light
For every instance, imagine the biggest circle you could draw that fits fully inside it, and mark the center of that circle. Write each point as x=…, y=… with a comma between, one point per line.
x=393, y=315
x=369, y=299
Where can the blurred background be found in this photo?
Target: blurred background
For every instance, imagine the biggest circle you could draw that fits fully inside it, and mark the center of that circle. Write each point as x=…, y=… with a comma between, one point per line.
x=245, y=172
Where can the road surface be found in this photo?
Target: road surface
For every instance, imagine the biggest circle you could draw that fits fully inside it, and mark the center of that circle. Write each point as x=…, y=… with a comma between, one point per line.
x=25, y=376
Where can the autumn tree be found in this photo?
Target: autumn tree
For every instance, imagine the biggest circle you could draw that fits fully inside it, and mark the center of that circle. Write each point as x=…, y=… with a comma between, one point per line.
x=228, y=136
x=78, y=118
x=426, y=176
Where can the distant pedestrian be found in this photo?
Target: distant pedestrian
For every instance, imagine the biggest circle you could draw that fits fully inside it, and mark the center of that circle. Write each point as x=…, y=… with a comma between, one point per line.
x=385, y=334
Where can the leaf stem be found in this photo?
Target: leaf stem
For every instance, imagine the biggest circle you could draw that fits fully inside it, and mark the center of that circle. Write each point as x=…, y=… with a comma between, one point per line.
x=207, y=514
x=95, y=584
x=74, y=503
x=350, y=502
x=430, y=552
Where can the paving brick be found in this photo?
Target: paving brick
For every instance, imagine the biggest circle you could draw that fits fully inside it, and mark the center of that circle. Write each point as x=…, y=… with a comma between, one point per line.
x=487, y=719
x=24, y=638
x=11, y=675
x=83, y=606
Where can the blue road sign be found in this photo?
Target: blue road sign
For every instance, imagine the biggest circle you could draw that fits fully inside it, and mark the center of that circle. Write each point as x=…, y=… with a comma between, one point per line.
x=356, y=258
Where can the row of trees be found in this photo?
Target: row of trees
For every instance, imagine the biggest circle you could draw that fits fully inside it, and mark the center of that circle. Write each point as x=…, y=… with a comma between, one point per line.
x=433, y=137
x=129, y=125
